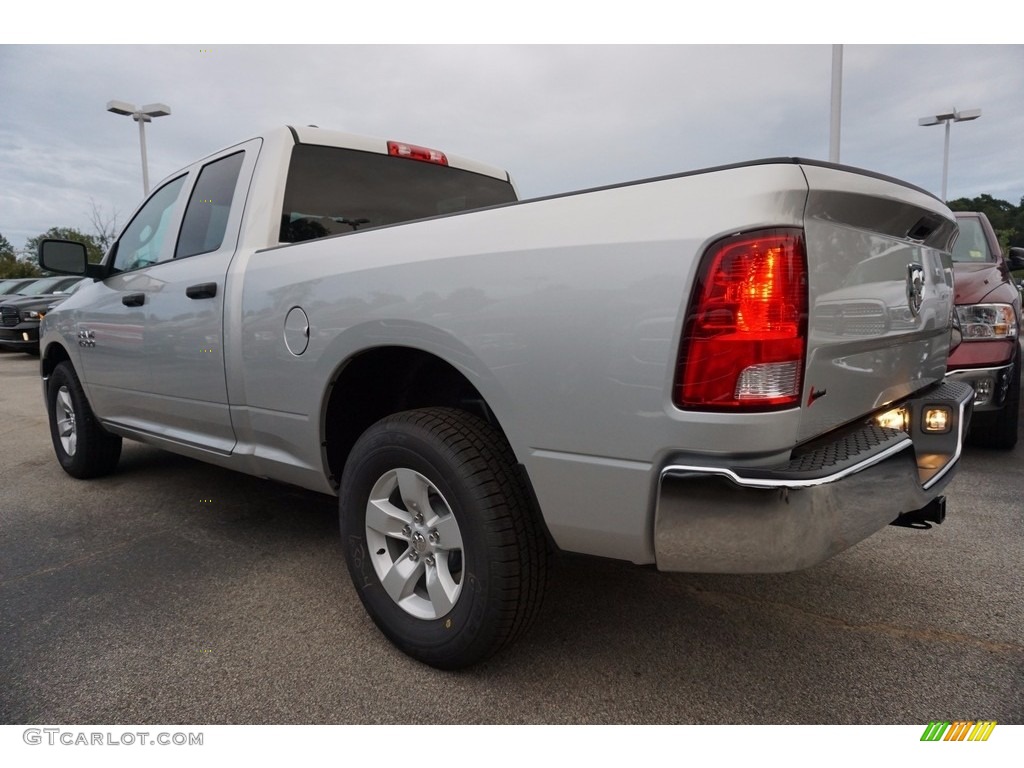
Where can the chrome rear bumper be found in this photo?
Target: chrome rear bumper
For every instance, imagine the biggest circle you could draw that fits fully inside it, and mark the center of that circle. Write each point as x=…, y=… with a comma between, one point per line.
x=831, y=495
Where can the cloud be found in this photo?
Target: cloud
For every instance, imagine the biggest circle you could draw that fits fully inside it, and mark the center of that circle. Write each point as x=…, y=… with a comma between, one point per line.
x=558, y=117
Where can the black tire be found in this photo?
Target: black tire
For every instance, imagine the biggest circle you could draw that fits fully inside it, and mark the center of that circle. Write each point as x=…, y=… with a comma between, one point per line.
x=999, y=429
x=84, y=449
x=489, y=582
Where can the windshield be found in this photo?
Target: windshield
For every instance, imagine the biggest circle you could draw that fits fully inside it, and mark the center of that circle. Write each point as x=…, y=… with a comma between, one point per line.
x=971, y=246
x=13, y=286
x=67, y=290
x=46, y=285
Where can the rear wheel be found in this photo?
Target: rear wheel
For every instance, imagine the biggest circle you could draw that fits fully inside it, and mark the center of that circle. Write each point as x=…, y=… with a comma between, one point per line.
x=441, y=536
x=84, y=449
x=998, y=429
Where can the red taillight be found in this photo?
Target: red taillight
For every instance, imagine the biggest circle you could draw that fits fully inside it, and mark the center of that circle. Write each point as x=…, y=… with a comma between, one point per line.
x=744, y=339
x=411, y=151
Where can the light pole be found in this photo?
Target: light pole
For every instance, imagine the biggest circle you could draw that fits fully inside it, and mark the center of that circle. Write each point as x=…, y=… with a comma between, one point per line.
x=140, y=115
x=837, y=103
x=953, y=116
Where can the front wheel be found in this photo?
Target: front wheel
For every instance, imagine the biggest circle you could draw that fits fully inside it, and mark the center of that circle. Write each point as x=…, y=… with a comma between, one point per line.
x=441, y=537
x=84, y=449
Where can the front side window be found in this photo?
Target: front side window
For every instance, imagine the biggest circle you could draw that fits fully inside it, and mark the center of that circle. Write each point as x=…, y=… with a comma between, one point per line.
x=332, y=190
x=142, y=242
x=206, y=218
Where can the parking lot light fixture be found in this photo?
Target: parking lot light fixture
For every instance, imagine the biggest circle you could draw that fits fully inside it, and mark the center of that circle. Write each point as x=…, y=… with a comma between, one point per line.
x=141, y=115
x=953, y=116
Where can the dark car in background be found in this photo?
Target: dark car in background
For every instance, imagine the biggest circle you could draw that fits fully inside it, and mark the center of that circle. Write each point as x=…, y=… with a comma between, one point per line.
x=988, y=306
x=20, y=314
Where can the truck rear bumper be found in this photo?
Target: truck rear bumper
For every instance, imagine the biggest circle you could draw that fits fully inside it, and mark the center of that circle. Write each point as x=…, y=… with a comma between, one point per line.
x=831, y=495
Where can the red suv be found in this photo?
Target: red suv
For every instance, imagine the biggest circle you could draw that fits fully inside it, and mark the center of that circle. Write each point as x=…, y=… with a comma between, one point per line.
x=988, y=306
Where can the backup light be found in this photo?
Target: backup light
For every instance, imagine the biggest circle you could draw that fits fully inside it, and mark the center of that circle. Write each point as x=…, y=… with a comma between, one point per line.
x=768, y=381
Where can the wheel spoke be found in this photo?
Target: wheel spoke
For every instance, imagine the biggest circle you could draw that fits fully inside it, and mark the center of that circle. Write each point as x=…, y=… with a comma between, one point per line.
x=441, y=588
x=401, y=578
x=414, y=490
x=448, y=531
x=386, y=519
x=64, y=400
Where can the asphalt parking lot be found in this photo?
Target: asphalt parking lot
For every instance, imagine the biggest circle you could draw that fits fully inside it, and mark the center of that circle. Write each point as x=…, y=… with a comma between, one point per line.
x=176, y=592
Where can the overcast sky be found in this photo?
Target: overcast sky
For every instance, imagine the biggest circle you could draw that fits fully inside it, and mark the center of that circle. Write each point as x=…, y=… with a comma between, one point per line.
x=558, y=117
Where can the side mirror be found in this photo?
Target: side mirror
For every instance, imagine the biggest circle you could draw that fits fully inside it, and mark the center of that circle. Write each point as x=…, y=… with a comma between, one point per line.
x=64, y=257
x=1016, y=258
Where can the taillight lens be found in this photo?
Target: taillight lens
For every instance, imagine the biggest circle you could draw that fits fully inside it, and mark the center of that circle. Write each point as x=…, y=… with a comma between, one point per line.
x=413, y=152
x=744, y=340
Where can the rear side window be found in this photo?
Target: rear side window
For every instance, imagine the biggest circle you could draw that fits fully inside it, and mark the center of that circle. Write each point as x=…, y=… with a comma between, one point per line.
x=206, y=217
x=331, y=191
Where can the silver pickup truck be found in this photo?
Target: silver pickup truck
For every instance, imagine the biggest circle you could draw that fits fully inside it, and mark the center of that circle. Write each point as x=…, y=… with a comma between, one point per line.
x=732, y=370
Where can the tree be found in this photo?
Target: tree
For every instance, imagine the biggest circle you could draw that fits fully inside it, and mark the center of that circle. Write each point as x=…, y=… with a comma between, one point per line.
x=92, y=245
x=104, y=227
x=1007, y=219
x=11, y=265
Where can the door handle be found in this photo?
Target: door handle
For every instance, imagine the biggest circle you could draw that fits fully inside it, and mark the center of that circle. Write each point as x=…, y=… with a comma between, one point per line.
x=134, y=299
x=201, y=291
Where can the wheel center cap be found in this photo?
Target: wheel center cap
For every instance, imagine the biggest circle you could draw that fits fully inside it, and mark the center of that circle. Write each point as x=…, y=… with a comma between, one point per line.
x=419, y=543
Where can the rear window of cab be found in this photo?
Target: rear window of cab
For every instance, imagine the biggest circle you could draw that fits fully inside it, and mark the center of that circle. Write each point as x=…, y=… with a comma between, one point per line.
x=331, y=191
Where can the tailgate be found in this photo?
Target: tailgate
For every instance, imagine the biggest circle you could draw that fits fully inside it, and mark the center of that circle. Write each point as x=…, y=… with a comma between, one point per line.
x=881, y=294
